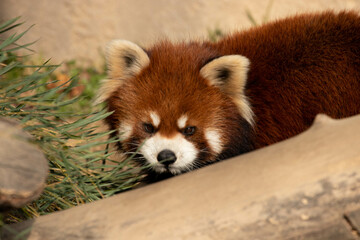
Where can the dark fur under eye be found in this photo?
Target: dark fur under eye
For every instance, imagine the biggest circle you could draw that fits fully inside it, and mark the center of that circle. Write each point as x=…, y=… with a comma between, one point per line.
x=188, y=131
x=149, y=128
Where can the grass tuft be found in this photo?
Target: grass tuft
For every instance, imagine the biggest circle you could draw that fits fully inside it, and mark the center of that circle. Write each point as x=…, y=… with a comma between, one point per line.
x=55, y=108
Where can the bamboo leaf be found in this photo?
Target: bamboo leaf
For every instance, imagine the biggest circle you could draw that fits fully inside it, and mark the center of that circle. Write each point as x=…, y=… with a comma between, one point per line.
x=13, y=38
x=8, y=67
x=8, y=23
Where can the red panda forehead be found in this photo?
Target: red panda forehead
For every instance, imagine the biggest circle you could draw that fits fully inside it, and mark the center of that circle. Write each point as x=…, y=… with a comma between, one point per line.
x=174, y=70
x=174, y=93
x=180, y=57
x=170, y=97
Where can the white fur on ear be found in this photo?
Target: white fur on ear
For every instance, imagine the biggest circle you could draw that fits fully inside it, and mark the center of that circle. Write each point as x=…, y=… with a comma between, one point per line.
x=229, y=73
x=124, y=59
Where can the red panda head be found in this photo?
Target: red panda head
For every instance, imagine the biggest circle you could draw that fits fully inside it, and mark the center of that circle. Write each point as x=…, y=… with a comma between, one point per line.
x=181, y=105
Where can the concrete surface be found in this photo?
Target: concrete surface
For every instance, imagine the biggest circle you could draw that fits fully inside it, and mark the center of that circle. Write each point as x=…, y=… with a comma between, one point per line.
x=284, y=191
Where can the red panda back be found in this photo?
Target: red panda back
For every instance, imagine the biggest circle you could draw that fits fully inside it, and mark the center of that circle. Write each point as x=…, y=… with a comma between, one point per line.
x=300, y=66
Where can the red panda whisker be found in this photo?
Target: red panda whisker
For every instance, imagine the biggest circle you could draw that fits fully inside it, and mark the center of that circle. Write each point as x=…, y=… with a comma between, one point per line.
x=205, y=151
x=133, y=150
x=134, y=144
x=130, y=143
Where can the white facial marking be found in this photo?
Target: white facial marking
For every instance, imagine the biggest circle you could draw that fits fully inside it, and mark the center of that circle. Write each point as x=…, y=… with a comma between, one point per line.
x=181, y=122
x=125, y=130
x=184, y=150
x=155, y=119
x=214, y=139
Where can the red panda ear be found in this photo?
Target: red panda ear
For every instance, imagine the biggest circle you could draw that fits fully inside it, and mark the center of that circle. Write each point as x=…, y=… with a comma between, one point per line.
x=124, y=59
x=229, y=73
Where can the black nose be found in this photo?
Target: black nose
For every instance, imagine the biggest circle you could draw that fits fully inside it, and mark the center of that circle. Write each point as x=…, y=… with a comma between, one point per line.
x=166, y=157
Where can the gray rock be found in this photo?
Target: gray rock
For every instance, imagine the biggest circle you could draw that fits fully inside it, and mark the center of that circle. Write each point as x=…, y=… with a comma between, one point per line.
x=23, y=167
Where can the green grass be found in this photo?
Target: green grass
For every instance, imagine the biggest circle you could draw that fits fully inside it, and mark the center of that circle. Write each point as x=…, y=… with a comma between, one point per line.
x=63, y=125
x=89, y=80
x=215, y=34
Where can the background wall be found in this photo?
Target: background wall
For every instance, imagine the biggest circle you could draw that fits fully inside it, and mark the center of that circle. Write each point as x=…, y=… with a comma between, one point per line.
x=74, y=29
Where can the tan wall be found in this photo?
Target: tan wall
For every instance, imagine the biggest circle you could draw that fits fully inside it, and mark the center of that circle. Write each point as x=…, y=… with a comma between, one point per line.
x=74, y=29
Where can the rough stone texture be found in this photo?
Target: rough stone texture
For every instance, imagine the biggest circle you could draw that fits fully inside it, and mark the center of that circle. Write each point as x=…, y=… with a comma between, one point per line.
x=79, y=30
x=296, y=189
x=23, y=168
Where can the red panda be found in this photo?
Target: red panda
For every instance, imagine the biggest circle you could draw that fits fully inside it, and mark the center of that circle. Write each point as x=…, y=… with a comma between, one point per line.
x=185, y=105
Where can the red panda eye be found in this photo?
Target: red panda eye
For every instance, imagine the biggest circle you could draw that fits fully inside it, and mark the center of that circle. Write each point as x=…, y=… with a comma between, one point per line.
x=148, y=127
x=188, y=131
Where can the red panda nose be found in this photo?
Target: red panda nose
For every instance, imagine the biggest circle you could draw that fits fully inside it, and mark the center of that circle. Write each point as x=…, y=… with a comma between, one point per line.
x=166, y=157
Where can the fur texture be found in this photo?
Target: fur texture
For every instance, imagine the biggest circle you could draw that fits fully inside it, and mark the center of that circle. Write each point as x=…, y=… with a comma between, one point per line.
x=300, y=66
x=249, y=90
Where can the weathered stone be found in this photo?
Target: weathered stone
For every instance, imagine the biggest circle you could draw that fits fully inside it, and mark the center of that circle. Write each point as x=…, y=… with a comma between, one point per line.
x=23, y=168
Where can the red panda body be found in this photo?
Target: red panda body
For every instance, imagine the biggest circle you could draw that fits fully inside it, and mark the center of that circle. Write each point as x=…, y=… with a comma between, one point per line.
x=300, y=67
x=190, y=104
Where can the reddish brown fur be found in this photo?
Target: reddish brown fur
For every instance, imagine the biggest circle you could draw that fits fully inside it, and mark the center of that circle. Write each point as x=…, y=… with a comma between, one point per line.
x=299, y=67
